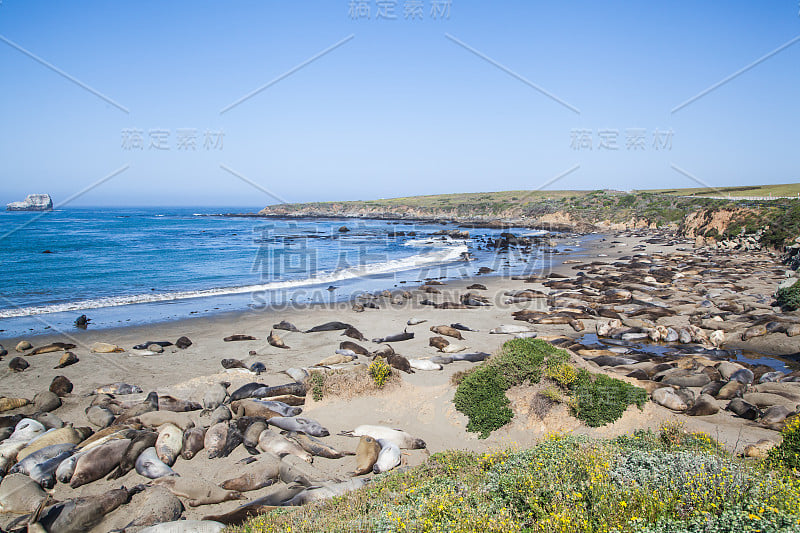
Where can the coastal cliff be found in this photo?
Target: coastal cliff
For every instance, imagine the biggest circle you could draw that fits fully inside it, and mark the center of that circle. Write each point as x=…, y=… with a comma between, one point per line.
x=721, y=222
x=33, y=202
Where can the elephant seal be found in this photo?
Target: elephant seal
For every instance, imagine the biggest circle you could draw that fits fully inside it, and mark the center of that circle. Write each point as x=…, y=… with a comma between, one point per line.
x=100, y=416
x=263, y=391
x=82, y=514
x=215, y=395
x=760, y=449
x=66, y=468
x=48, y=420
x=415, y=321
x=232, y=363
x=62, y=436
x=388, y=458
x=384, y=350
x=315, y=446
x=118, y=388
x=246, y=391
x=272, y=442
x=438, y=342
x=258, y=367
x=275, y=496
x=138, y=444
x=251, y=428
x=23, y=346
x=336, y=359
x=104, y=347
x=221, y=439
x=149, y=465
x=299, y=424
x=730, y=390
x=462, y=327
x=397, y=337
x=704, y=406
x=67, y=359
x=399, y=362
x=367, y=453
x=327, y=491
x=170, y=403
x=193, y=442
x=400, y=438
x=252, y=407
x=424, y=364
x=196, y=490
x=296, y=470
x=157, y=418
x=263, y=473
x=46, y=401
x=285, y=326
x=183, y=342
x=61, y=386
x=26, y=463
x=355, y=348
x=447, y=330
x=146, y=345
x=239, y=338
x=743, y=375
x=743, y=409
x=44, y=473
x=667, y=397
x=53, y=347
x=186, y=526
x=329, y=326
x=220, y=414
x=169, y=443
x=274, y=340
x=149, y=404
x=98, y=462
x=775, y=417
x=19, y=494
x=18, y=364
x=154, y=505
x=453, y=348
x=282, y=408
x=353, y=333
x=509, y=329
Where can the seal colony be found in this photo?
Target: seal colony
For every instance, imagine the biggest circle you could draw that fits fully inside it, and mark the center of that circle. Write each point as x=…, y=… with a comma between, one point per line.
x=219, y=425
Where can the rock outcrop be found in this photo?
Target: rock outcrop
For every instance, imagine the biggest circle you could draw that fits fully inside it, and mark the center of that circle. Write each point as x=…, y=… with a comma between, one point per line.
x=34, y=202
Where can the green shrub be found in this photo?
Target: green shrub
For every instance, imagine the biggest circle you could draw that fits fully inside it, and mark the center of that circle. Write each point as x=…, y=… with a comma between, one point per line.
x=481, y=393
x=600, y=400
x=317, y=385
x=787, y=453
x=789, y=297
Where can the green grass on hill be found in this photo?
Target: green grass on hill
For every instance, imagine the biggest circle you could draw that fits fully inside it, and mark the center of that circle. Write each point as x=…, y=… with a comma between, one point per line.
x=782, y=189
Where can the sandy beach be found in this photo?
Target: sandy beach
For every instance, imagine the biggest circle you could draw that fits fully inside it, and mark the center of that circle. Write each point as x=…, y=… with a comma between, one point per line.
x=421, y=404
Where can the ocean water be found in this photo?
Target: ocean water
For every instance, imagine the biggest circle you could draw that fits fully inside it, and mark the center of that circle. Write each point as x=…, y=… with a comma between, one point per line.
x=124, y=266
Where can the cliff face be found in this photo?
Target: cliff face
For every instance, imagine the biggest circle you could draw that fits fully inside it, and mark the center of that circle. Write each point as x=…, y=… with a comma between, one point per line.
x=33, y=202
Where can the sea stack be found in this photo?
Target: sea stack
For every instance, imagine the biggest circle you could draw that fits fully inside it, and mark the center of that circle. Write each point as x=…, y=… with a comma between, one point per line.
x=34, y=202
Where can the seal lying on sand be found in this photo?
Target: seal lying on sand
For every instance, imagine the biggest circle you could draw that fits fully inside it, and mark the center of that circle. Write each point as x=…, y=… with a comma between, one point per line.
x=399, y=437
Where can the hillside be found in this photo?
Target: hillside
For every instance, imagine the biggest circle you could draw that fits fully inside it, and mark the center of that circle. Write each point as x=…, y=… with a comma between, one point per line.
x=682, y=210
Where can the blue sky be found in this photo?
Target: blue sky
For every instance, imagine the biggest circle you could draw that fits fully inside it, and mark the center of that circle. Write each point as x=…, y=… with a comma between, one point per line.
x=399, y=108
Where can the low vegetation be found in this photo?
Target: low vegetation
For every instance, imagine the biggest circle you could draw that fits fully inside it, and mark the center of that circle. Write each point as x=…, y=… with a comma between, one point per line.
x=667, y=481
x=789, y=297
x=596, y=400
x=351, y=382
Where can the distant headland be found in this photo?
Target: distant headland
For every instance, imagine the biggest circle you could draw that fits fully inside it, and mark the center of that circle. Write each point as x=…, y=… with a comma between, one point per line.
x=33, y=202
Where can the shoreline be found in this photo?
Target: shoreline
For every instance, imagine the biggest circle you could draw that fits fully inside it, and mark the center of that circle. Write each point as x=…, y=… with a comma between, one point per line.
x=421, y=403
